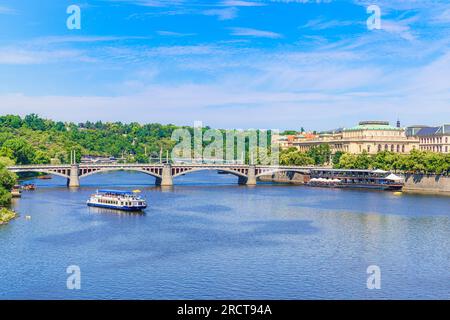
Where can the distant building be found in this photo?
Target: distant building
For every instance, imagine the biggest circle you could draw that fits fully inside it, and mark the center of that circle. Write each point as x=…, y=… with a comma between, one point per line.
x=368, y=136
x=288, y=141
x=435, y=139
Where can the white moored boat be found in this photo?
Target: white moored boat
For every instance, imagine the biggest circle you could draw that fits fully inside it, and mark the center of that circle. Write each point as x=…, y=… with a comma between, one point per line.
x=117, y=199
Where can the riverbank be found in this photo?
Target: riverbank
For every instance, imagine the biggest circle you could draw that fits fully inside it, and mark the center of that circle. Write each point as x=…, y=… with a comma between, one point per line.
x=414, y=183
x=6, y=215
x=427, y=183
x=285, y=177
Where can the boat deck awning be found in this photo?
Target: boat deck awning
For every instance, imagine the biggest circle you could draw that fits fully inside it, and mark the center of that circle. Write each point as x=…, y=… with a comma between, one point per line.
x=394, y=177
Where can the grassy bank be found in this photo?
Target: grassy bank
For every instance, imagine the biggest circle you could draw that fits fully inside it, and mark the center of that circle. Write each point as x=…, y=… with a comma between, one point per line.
x=6, y=215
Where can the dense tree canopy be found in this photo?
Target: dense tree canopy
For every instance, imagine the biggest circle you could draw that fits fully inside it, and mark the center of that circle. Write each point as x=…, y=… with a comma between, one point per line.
x=7, y=181
x=35, y=140
x=416, y=162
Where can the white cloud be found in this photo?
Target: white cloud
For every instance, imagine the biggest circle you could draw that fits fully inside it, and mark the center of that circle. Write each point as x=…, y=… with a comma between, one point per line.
x=83, y=39
x=152, y=3
x=222, y=14
x=17, y=56
x=248, y=32
x=400, y=28
x=443, y=17
x=197, y=50
x=321, y=24
x=6, y=10
x=240, y=3
x=174, y=34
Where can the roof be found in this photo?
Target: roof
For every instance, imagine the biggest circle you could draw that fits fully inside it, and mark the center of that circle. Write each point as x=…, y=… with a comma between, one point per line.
x=427, y=131
x=445, y=129
x=115, y=191
x=374, y=127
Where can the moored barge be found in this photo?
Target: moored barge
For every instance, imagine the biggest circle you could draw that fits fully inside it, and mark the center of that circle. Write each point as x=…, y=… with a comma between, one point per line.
x=344, y=178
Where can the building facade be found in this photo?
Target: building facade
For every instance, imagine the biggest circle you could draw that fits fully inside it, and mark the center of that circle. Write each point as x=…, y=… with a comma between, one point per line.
x=434, y=139
x=368, y=136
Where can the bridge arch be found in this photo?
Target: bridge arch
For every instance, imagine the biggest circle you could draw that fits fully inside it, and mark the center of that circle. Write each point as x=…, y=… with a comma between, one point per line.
x=104, y=170
x=49, y=172
x=230, y=171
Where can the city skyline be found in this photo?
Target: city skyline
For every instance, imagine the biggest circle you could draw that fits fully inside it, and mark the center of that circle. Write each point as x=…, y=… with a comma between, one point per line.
x=273, y=64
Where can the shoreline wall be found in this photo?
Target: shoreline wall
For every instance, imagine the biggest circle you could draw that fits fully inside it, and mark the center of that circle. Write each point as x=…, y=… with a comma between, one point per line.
x=285, y=177
x=414, y=183
x=423, y=183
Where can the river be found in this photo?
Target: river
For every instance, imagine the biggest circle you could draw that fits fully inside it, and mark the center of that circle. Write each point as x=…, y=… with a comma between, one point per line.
x=208, y=238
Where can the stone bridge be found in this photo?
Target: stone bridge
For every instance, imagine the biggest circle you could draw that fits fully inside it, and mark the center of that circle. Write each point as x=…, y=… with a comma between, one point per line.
x=164, y=173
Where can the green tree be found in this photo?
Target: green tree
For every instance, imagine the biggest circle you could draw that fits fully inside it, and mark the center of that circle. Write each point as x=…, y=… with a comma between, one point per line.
x=7, y=181
x=41, y=157
x=363, y=161
x=337, y=157
x=292, y=156
x=33, y=121
x=347, y=161
x=19, y=150
x=320, y=154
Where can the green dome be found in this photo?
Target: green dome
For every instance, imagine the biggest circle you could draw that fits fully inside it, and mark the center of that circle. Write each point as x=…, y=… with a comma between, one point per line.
x=374, y=125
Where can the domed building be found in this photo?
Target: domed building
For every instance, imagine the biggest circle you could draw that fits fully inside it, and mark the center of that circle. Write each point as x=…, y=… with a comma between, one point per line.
x=368, y=136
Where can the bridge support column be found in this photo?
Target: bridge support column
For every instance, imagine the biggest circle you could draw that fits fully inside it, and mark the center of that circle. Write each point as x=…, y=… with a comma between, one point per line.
x=74, y=178
x=166, y=180
x=250, y=180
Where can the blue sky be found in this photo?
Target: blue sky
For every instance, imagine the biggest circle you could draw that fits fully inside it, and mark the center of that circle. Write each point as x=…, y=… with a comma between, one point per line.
x=229, y=63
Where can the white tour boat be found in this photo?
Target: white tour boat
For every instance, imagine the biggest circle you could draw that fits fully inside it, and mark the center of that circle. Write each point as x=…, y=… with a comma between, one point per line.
x=116, y=199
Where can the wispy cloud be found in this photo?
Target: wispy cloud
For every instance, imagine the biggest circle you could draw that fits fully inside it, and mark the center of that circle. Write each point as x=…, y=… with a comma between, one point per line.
x=322, y=24
x=197, y=50
x=19, y=56
x=222, y=14
x=400, y=28
x=248, y=32
x=174, y=34
x=84, y=39
x=240, y=3
x=152, y=3
x=443, y=17
x=7, y=10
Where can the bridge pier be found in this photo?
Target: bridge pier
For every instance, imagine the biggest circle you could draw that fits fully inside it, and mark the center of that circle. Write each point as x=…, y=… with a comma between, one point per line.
x=166, y=179
x=250, y=180
x=74, y=178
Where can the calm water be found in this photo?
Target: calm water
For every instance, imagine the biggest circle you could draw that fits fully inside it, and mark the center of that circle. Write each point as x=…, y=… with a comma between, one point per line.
x=209, y=238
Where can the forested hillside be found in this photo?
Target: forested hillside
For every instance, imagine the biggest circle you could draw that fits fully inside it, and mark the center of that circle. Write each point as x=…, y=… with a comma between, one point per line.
x=35, y=140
